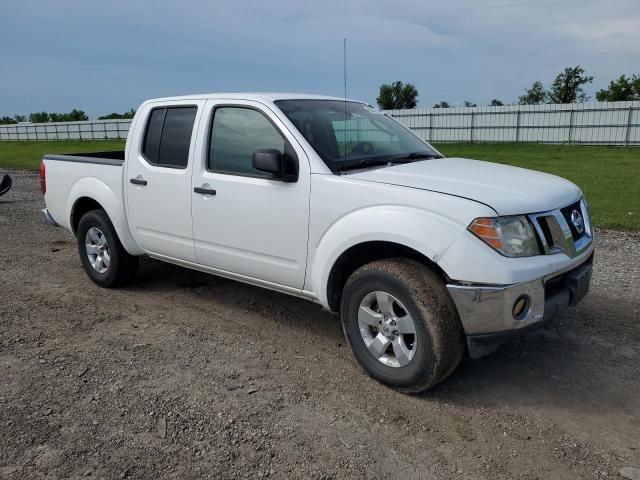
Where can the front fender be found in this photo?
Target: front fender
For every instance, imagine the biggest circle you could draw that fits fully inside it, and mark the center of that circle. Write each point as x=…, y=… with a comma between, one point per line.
x=111, y=202
x=424, y=231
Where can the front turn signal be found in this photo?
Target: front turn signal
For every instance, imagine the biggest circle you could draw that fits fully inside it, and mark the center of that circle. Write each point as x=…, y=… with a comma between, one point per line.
x=510, y=236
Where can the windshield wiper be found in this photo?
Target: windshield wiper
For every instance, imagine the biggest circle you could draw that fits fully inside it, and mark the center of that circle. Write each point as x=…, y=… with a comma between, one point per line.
x=416, y=156
x=391, y=160
x=370, y=162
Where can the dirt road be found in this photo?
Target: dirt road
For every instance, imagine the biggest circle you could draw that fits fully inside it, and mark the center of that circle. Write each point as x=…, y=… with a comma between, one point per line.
x=191, y=376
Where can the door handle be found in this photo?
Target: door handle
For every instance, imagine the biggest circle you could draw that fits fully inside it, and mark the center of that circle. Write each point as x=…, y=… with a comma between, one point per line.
x=138, y=181
x=204, y=191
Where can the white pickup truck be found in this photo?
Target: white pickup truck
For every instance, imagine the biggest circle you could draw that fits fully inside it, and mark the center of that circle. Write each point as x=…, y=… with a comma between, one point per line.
x=424, y=257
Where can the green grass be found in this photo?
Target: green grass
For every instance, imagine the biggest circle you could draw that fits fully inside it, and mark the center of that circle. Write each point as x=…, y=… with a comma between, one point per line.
x=609, y=176
x=27, y=155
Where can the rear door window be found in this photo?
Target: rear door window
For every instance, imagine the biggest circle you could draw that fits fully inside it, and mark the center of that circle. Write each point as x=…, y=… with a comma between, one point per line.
x=168, y=136
x=151, y=145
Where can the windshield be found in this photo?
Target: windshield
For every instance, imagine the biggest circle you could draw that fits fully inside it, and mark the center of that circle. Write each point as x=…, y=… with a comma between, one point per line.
x=353, y=135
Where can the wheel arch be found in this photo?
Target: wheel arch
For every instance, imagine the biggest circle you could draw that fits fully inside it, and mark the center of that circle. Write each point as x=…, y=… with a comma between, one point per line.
x=372, y=234
x=366, y=252
x=90, y=193
x=81, y=206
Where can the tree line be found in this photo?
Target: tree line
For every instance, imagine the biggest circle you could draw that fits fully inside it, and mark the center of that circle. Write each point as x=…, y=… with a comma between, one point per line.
x=74, y=115
x=567, y=87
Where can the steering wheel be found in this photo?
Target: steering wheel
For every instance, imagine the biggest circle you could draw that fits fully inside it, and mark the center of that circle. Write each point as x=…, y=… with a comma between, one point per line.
x=363, y=148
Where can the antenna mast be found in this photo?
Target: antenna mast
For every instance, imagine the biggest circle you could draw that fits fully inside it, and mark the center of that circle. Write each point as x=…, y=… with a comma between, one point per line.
x=344, y=50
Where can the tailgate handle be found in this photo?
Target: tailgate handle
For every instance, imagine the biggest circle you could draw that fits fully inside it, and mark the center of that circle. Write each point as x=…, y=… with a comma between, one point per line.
x=204, y=191
x=138, y=181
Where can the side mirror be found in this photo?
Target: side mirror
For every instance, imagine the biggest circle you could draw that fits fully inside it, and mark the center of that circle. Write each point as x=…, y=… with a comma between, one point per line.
x=270, y=161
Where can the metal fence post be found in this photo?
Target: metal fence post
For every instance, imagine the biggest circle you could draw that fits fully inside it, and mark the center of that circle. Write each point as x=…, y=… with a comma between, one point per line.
x=627, y=136
x=518, y=126
x=570, y=125
x=473, y=121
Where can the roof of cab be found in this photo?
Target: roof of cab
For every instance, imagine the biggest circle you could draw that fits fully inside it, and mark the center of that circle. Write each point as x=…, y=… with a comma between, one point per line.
x=256, y=96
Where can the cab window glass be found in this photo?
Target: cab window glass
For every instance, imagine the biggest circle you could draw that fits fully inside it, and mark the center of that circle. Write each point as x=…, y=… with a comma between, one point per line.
x=168, y=136
x=236, y=133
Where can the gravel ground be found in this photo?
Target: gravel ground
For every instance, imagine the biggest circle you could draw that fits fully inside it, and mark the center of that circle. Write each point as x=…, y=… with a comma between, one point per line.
x=186, y=375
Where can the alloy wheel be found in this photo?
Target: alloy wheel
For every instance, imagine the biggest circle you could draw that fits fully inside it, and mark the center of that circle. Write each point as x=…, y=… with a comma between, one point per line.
x=97, y=249
x=387, y=329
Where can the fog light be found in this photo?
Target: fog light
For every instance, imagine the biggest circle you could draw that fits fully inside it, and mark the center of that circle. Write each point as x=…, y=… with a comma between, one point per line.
x=520, y=307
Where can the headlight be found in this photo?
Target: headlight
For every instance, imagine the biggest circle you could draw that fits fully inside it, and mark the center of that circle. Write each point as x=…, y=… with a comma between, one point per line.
x=511, y=236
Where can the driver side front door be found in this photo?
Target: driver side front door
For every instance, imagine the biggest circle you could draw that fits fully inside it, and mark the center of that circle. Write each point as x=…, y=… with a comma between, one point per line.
x=246, y=222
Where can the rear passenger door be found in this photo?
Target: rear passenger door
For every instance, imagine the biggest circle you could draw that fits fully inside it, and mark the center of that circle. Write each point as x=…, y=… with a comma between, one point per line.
x=158, y=179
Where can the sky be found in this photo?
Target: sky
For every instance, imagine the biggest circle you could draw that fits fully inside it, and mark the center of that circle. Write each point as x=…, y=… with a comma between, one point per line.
x=105, y=56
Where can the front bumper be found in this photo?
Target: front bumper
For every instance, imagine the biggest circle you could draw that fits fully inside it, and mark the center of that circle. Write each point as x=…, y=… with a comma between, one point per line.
x=486, y=312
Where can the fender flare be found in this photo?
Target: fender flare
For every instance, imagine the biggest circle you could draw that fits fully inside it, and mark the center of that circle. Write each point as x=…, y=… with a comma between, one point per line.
x=97, y=190
x=426, y=232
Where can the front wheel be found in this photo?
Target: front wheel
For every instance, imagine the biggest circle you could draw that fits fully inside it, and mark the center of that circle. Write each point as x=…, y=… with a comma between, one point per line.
x=401, y=324
x=103, y=257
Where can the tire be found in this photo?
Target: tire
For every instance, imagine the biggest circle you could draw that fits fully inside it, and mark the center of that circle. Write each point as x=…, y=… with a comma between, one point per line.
x=103, y=257
x=411, y=293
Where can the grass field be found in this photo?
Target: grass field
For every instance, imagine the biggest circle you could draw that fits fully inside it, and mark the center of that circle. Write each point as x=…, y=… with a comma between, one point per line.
x=609, y=176
x=27, y=155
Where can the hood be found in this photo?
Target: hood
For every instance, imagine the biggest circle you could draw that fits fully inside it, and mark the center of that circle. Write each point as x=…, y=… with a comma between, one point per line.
x=508, y=190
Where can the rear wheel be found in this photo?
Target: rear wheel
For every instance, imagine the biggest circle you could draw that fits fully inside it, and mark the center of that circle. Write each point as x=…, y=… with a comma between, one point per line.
x=102, y=255
x=401, y=324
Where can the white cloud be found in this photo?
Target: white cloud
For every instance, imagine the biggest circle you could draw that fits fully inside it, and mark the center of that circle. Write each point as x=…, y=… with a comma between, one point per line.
x=616, y=32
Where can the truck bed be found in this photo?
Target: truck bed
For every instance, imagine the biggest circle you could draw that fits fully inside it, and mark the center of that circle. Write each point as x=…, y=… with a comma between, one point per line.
x=96, y=175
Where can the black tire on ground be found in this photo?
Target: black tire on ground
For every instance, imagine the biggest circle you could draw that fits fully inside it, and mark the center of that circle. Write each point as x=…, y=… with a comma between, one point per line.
x=439, y=338
x=122, y=267
x=5, y=184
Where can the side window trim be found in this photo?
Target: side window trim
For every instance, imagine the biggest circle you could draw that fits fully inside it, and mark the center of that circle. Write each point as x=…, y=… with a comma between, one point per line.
x=164, y=117
x=210, y=138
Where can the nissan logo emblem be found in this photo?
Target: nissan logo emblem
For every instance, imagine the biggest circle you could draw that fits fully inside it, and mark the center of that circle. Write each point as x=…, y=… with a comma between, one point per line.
x=577, y=221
